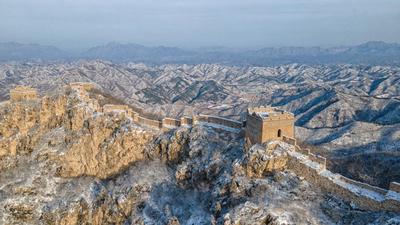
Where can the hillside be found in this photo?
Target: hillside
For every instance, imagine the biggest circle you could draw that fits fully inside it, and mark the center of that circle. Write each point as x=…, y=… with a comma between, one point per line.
x=344, y=110
x=65, y=160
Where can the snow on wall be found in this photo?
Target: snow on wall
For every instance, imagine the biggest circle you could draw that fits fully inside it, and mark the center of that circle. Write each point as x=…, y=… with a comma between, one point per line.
x=364, y=195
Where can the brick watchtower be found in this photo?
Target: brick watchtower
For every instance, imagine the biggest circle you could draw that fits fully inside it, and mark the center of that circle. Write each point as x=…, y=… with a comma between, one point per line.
x=268, y=123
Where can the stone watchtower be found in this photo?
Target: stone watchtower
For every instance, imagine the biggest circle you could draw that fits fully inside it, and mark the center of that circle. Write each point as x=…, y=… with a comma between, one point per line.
x=268, y=123
x=23, y=93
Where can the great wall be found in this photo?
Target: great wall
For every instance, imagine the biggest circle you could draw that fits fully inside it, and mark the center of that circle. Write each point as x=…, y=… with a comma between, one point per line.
x=263, y=124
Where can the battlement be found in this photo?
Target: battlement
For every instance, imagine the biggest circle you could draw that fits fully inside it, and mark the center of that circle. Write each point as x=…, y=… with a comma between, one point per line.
x=268, y=113
x=313, y=168
x=218, y=121
x=267, y=123
x=23, y=93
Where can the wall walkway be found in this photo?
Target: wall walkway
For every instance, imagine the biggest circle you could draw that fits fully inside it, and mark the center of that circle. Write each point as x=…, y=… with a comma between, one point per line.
x=313, y=168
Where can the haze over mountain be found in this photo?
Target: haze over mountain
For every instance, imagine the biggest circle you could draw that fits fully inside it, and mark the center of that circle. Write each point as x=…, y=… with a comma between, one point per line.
x=374, y=53
x=15, y=51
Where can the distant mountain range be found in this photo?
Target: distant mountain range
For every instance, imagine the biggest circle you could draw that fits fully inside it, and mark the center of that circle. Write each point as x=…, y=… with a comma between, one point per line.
x=373, y=53
x=16, y=51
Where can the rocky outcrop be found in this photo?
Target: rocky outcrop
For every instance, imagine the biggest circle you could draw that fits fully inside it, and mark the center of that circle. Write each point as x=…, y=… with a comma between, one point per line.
x=92, y=143
x=250, y=214
x=48, y=141
x=265, y=159
x=103, y=147
x=173, y=147
x=22, y=123
x=74, y=164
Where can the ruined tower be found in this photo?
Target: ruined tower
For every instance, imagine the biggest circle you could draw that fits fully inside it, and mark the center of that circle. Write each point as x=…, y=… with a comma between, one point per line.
x=268, y=123
x=23, y=93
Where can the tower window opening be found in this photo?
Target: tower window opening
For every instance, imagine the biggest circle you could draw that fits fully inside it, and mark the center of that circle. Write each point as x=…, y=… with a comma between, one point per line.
x=279, y=133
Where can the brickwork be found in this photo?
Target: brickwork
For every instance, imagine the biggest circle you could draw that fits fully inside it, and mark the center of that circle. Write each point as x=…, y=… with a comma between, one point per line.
x=268, y=123
x=364, y=195
x=23, y=93
x=169, y=122
x=218, y=121
x=149, y=122
x=313, y=168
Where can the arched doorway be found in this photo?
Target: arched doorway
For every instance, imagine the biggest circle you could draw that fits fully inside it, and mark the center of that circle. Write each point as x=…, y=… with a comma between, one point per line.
x=279, y=133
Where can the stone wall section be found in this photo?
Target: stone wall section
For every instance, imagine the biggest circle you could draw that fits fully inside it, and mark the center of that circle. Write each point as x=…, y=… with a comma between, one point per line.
x=364, y=195
x=23, y=93
x=313, y=168
x=361, y=184
x=218, y=121
x=318, y=159
x=394, y=186
x=171, y=123
x=149, y=122
x=254, y=129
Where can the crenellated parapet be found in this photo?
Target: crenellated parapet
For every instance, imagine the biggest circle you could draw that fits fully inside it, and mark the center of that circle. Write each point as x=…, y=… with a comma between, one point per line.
x=312, y=167
x=268, y=113
x=220, y=121
x=23, y=93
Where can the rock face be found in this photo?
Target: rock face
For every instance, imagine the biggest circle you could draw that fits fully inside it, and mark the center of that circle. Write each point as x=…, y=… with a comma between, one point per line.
x=103, y=146
x=92, y=143
x=22, y=122
x=261, y=160
x=64, y=161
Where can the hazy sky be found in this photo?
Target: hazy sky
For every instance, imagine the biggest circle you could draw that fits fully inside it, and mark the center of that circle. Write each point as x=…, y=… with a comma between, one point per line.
x=75, y=24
